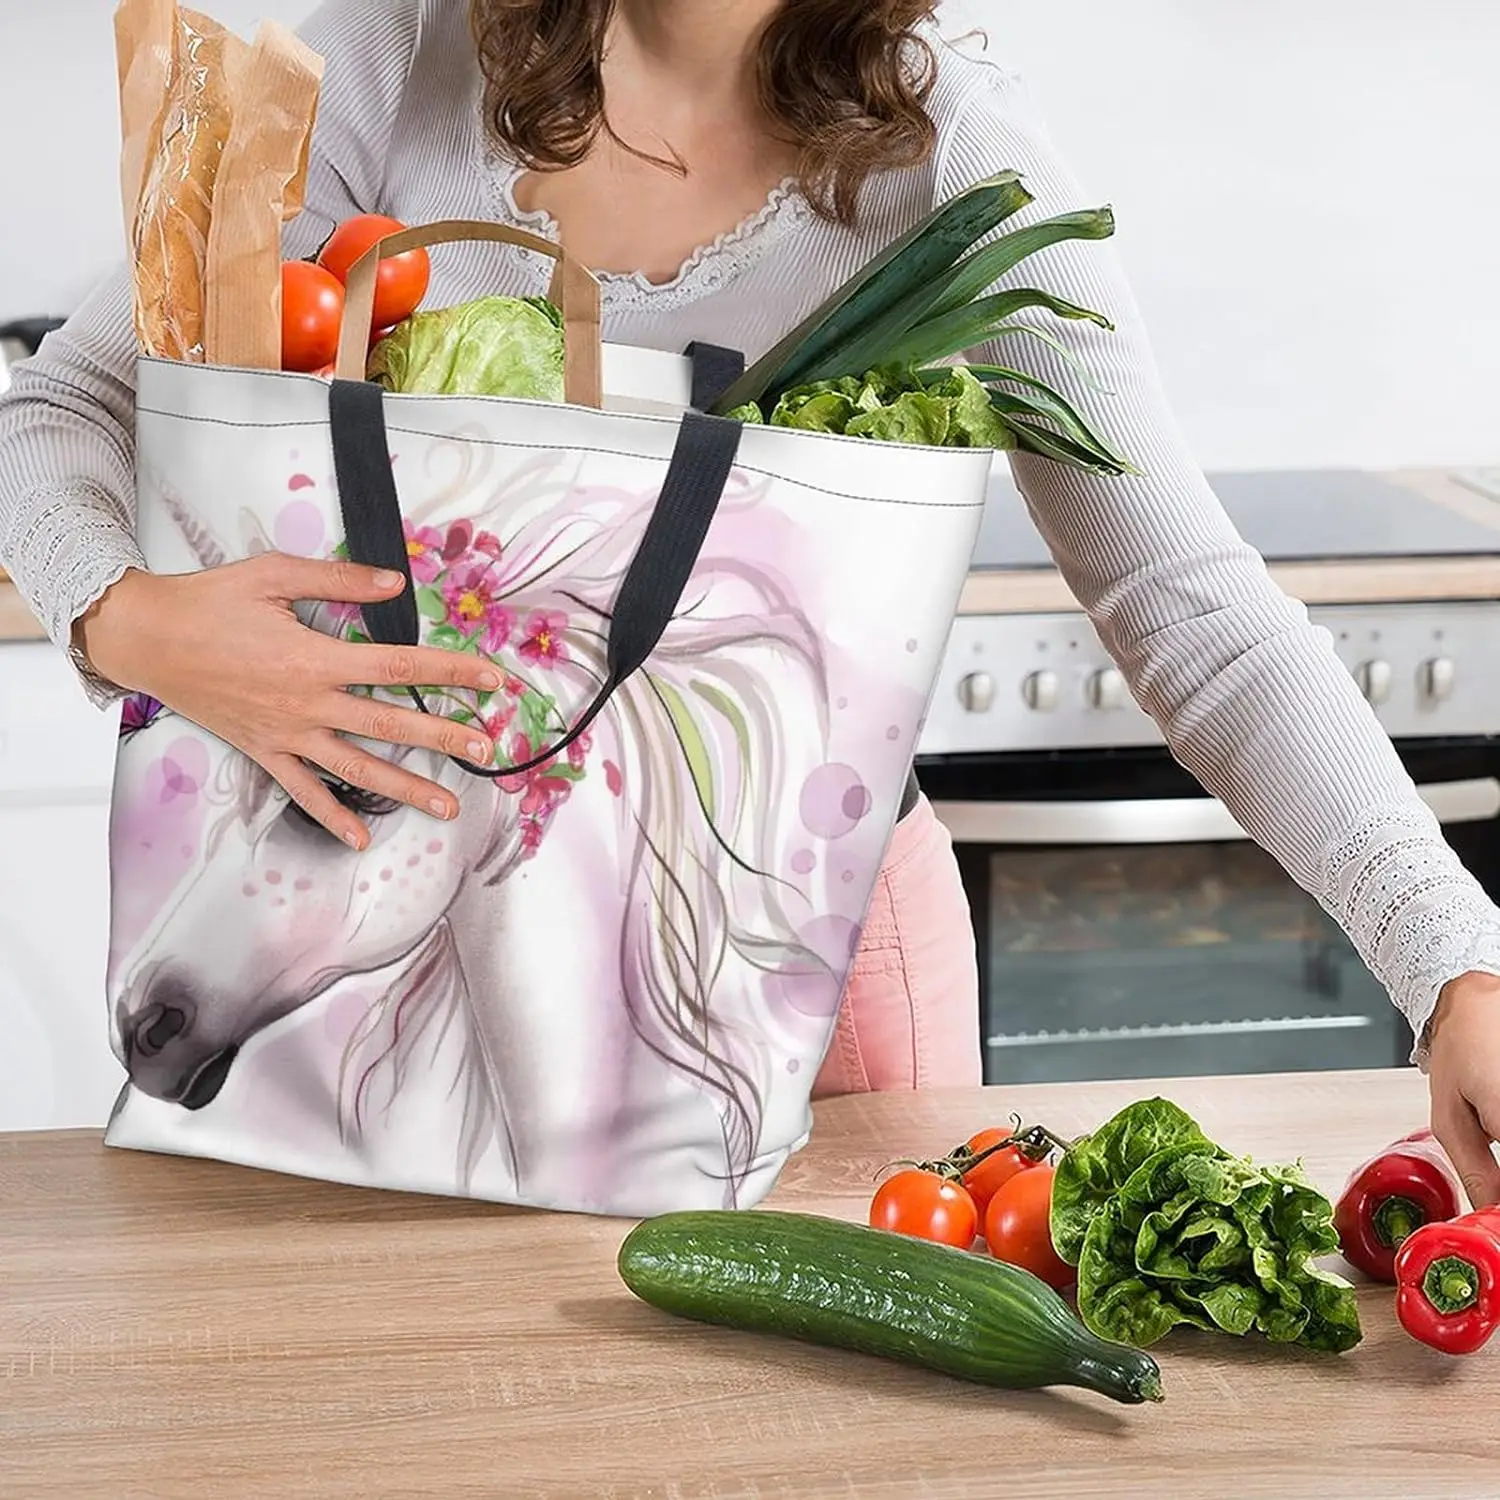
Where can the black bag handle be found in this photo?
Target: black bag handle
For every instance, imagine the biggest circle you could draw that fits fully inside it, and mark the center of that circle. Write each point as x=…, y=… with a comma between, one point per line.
x=651, y=589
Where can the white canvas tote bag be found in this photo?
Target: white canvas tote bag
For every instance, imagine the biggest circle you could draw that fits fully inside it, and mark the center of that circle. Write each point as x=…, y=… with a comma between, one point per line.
x=608, y=987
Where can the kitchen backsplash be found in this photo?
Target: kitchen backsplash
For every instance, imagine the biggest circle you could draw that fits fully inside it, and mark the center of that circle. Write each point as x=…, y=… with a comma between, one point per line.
x=1338, y=176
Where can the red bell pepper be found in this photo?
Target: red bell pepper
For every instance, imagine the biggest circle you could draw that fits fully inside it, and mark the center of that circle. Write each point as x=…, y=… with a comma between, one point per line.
x=1409, y=1184
x=1448, y=1282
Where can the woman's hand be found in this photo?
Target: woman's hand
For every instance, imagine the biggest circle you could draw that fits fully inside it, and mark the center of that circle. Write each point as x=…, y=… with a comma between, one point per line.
x=224, y=649
x=1464, y=1074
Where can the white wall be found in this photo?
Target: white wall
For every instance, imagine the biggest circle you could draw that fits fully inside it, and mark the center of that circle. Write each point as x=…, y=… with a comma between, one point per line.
x=1308, y=198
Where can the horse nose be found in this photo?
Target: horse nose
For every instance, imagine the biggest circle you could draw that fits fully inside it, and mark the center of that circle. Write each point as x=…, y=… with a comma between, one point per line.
x=156, y=1028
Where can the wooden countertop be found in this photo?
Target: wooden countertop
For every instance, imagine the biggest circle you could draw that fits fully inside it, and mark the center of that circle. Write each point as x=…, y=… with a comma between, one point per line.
x=1042, y=590
x=17, y=623
x=1337, y=581
x=180, y=1328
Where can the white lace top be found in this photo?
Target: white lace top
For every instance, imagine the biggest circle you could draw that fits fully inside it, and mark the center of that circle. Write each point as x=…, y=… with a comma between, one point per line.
x=1251, y=698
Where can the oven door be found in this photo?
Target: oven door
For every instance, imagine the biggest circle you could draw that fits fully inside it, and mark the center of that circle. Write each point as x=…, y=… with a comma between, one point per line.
x=1144, y=935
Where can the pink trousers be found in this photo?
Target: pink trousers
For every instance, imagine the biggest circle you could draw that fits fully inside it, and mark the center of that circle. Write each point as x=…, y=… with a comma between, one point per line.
x=910, y=1013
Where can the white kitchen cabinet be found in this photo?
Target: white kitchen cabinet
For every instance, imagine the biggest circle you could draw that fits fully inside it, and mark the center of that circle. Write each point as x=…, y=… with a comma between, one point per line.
x=56, y=763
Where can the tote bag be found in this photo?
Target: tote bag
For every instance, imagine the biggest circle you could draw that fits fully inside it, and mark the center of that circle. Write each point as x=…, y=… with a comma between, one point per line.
x=609, y=985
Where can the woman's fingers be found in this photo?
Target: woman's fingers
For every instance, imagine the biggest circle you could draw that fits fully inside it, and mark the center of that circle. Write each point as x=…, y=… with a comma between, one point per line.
x=288, y=580
x=410, y=666
x=1462, y=1134
x=386, y=723
x=348, y=763
x=307, y=789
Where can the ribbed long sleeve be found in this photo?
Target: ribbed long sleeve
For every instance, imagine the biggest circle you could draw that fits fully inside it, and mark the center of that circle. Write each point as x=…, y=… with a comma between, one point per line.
x=1250, y=697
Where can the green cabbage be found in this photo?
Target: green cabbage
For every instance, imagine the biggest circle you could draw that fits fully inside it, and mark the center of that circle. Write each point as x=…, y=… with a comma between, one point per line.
x=1167, y=1229
x=496, y=346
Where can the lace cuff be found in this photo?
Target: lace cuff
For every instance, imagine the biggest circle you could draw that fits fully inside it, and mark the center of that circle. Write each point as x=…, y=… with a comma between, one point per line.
x=1416, y=916
x=66, y=549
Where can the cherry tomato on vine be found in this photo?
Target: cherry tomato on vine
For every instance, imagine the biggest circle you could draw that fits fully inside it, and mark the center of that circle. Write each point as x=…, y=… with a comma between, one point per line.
x=926, y=1206
x=1016, y=1227
x=985, y=1180
x=401, y=281
x=312, y=312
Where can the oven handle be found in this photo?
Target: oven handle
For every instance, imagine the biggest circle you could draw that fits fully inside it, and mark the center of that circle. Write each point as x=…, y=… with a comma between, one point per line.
x=1165, y=820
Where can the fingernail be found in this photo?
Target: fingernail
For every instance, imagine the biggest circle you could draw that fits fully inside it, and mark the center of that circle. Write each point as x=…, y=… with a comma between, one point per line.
x=385, y=579
x=352, y=839
x=441, y=808
x=479, y=750
x=489, y=680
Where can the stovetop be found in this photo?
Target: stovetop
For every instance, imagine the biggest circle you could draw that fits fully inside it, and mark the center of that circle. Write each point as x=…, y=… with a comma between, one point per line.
x=1287, y=516
x=1022, y=680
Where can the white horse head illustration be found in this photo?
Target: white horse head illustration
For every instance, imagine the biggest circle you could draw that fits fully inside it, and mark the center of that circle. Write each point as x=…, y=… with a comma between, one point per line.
x=690, y=874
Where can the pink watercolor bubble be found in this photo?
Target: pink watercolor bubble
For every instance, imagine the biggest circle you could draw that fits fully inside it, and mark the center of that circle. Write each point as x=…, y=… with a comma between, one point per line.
x=299, y=529
x=911, y=645
x=809, y=986
x=834, y=801
x=273, y=877
x=301, y=482
x=305, y=884
x=804, y=861
x=893, y=732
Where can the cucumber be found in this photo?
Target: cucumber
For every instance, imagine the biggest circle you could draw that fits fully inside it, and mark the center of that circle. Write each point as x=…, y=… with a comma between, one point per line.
x=826, y=1281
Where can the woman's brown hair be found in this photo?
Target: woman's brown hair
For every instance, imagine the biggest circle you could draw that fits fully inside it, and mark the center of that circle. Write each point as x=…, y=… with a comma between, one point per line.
x=845, y=80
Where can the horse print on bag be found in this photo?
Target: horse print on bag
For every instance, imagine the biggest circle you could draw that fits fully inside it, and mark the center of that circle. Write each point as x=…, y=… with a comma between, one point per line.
x=541, y=1016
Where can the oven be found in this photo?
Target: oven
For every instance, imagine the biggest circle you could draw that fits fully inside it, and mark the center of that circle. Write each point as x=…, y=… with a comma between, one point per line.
x=1126, y=926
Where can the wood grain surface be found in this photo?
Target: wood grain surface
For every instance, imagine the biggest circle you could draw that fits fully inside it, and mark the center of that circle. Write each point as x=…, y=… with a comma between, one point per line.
x=176, y=1328
x=17, y=623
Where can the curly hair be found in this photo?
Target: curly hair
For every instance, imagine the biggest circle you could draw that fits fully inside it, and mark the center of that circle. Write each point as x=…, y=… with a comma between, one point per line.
x=846, y=81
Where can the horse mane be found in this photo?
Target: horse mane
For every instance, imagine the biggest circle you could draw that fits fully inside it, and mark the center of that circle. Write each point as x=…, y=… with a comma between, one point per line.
x=699, y=735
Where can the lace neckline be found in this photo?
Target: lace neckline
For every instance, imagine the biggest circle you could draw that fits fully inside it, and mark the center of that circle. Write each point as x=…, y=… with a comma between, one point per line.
x=709, y=268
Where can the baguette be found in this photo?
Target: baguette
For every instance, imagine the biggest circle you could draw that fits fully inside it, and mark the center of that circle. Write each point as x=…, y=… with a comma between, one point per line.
x=176, y=203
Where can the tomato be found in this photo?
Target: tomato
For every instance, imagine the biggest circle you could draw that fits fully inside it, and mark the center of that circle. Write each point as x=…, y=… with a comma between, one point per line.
x=401, y=282
x=994, y=1171
x=927, y=1207
x=312, y=311
x=1016, y=1228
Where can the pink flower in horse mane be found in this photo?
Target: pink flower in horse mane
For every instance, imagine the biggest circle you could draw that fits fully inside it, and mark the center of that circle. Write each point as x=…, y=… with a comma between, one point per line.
x=495, y=724
x=579, y=749
x=460, y=535
x=424, y=551
x=533, y=826
x=470, y=594
x=520, y=753
x=543, y=643
x=489, y=544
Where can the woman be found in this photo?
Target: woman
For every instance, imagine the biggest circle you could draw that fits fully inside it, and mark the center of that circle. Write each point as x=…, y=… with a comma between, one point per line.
x=724, y=164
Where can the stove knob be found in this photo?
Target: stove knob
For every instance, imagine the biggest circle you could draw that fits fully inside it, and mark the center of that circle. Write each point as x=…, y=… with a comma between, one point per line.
x=1041, y=691
x=977, y=692
x=1374, y=678
x=1108, y=689
x=1436, y=678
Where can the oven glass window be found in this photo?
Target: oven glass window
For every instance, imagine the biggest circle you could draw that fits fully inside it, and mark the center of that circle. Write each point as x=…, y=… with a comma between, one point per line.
x=1165, y=961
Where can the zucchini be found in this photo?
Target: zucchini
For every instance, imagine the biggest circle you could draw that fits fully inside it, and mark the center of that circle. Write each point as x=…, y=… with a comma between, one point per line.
x=825, y=1281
